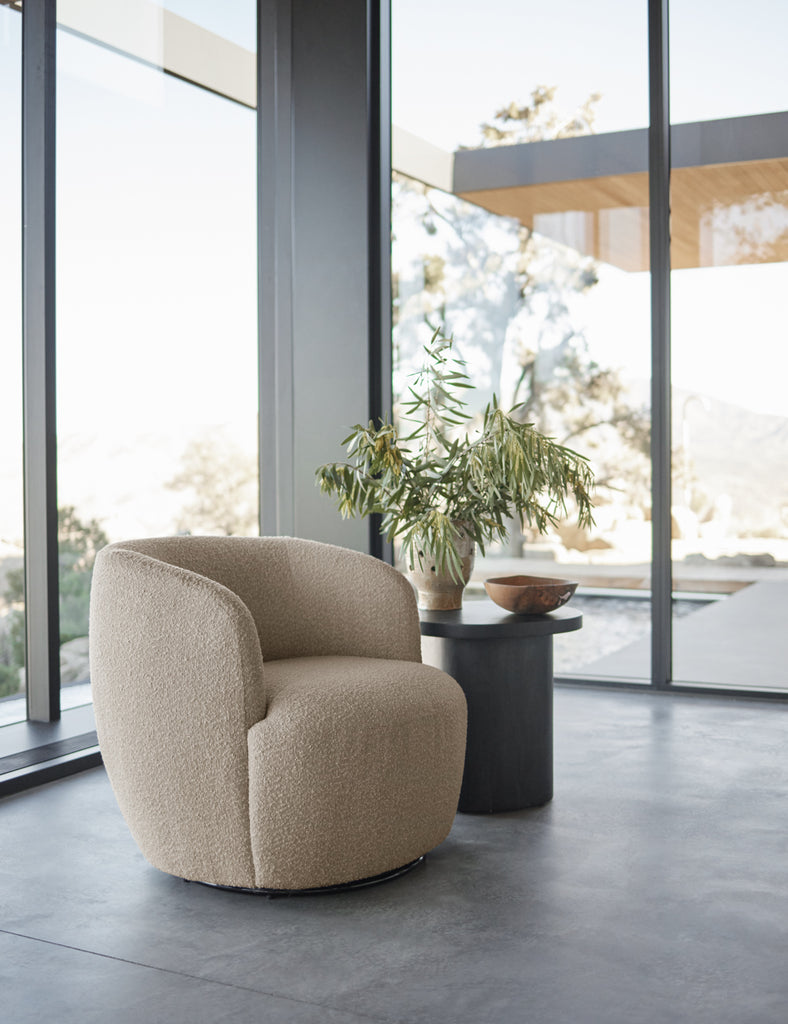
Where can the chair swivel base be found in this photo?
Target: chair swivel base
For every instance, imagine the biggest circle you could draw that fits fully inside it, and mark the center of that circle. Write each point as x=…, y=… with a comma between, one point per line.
x=360, y=883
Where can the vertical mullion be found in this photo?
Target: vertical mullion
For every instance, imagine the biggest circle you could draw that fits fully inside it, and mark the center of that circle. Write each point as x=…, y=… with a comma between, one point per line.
x=659, y=221
x=379, y=231
x=275, y=269
x=38, y=347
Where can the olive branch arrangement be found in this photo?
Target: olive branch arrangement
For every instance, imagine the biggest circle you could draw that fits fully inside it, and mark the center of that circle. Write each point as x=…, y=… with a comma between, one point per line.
x=440, y=478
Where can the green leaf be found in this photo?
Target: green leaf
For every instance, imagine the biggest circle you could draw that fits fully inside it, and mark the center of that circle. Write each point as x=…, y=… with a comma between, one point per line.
x=423, y=481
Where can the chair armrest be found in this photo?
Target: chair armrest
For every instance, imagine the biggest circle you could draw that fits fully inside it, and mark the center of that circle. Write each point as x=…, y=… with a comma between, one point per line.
x=177, y=678
x=355, y=770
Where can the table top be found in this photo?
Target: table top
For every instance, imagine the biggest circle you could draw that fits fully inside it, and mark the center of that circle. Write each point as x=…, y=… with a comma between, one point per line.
x=486, y=620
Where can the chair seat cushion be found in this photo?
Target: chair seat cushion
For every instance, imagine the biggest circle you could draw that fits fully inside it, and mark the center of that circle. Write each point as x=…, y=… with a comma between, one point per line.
x=354, y=771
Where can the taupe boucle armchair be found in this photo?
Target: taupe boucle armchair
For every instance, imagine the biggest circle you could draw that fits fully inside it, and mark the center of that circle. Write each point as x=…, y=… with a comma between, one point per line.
x=263, y=713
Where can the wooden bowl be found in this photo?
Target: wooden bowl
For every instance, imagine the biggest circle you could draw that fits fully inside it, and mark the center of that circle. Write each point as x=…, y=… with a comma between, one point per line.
x=529, y=595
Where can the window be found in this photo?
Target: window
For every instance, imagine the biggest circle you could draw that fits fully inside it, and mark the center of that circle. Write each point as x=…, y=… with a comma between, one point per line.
x=156, y=297
x=529, y=239
x=157, y=332
x=729, y=279
x=520, y=222
x=12, y=627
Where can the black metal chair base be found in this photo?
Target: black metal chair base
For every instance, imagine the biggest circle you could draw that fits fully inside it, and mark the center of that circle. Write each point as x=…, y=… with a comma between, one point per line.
x=361, y=883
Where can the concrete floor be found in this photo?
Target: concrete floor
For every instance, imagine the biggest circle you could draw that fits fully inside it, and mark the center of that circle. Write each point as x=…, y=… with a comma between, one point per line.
x=653, y=889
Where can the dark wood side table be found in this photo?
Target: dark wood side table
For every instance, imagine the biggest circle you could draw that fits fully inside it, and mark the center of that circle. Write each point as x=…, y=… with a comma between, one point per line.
x=504, y=663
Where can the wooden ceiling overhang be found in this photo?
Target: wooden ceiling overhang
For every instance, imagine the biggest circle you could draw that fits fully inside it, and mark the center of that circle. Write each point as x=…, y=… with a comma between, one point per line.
x=729, y=191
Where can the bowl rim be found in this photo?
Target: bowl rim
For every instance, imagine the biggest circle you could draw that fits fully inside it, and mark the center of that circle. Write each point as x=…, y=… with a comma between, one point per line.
x=524, y=581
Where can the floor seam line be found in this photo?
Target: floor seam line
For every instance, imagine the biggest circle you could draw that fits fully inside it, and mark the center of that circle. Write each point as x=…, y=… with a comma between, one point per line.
x=198, y=977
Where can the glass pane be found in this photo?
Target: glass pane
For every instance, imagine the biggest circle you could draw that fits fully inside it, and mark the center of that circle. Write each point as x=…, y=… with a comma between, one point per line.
x=157, y=334
x=730, y=406
x=543, y=282
x=453, y=68
x=235, y=21
x=12, y=704
x=730, y=428
x=212, y=45
x=725, y=62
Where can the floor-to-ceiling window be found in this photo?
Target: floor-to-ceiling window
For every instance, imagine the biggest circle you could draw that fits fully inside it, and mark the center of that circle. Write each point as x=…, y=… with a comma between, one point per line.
x=729, y=284
x=542, y=279
x=12, y=652
x=156, y=284
x=156, y=329
x=520, y=221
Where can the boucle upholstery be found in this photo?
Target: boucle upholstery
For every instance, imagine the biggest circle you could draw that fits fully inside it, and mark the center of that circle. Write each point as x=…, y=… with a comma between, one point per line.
x=263, y=713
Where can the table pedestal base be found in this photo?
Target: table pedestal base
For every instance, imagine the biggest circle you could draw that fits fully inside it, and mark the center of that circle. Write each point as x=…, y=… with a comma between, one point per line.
x=508, y=684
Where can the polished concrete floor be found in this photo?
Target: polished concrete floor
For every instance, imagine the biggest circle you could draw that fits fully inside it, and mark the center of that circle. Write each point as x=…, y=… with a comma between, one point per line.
x=653, y=889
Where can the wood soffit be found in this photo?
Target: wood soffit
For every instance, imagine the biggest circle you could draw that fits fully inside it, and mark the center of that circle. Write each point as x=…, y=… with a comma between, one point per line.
x=721, y=214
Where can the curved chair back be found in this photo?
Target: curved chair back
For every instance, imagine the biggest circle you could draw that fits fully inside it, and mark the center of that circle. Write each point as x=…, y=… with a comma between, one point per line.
x=304, y=596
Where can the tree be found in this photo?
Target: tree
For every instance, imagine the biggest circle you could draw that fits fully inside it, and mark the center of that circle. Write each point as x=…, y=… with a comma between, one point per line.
x=222, y=481
x=538, y=120
x=78, y=544
x=12, y=633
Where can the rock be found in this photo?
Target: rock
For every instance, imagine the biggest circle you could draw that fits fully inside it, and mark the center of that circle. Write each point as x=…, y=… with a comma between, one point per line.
x=74, y=661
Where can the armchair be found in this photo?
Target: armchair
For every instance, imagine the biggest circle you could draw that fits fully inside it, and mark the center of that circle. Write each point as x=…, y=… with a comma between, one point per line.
x=263, y=712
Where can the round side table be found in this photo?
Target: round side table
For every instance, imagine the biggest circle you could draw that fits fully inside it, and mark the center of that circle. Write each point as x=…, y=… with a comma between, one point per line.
x=504, y=664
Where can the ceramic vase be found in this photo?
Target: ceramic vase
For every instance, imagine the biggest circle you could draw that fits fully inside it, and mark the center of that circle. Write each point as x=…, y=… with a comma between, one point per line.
x=437, y=590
